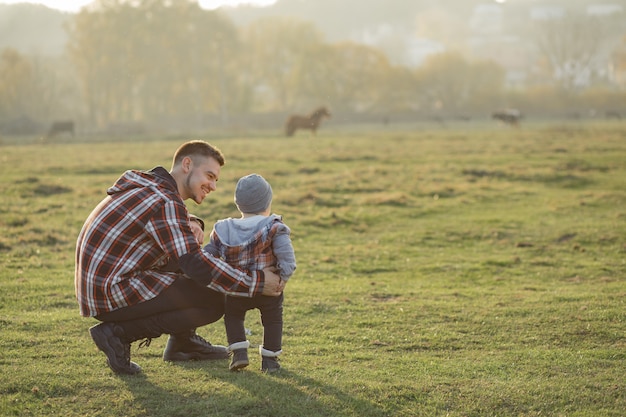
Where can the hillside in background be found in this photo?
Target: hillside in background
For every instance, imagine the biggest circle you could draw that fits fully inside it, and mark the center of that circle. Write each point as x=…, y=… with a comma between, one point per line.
x=32, y=29
x=338, y=20
x=39, y=30
x=347, y=19
x=35, y=29
x=188, y=69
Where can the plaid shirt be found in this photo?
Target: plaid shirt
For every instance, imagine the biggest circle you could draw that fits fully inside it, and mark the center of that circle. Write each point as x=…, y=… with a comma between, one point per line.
x=131, y=235
x=265, y=244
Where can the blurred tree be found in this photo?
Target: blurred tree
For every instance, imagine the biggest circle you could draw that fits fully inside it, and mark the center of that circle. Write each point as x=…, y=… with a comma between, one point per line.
x=439, y=24
x=400, y=92
x=619, y=63
x=16, y=77
x=312, y=78
x=54, y=93
x=360, y=75
x=99, y=48
x=159, y=61
x=279, y=53
x=577, y=46
x=450, y=84
x=196, y=60
x=486, y=81
x=35, y=90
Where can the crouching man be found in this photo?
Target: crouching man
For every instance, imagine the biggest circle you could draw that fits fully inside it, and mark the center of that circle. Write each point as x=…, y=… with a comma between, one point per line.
x=122, y=251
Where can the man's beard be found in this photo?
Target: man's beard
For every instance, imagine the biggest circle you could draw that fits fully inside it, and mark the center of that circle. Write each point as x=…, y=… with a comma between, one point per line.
x=189, y=189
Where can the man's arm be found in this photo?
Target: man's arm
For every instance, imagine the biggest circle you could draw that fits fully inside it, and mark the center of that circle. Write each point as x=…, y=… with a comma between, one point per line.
x=169, y=227
x=219, y=276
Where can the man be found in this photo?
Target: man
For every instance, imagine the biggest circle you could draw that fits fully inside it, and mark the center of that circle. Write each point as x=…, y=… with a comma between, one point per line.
x=122, y=256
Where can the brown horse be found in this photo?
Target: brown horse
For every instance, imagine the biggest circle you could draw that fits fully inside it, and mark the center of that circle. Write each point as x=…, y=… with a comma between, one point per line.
x=310, y=122
x=62, y=126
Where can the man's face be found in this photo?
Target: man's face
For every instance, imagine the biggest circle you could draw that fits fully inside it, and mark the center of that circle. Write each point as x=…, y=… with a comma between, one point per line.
x=202, y=176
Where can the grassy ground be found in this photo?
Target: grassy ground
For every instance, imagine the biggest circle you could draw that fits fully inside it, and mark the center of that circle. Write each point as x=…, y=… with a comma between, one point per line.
x=450, y=272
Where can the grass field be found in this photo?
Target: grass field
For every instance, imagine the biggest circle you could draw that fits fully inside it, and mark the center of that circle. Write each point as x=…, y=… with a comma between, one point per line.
x=450, y=272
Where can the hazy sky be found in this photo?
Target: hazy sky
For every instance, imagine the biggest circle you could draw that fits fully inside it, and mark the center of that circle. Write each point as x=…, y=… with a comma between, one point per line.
x=75, y=5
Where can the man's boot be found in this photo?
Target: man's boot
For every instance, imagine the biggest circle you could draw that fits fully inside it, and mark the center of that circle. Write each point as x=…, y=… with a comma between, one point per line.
x=110, y=339
x=185, y=346
x=239, y=351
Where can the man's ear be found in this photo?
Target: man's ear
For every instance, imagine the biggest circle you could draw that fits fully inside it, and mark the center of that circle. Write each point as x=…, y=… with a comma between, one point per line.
x=187, y=164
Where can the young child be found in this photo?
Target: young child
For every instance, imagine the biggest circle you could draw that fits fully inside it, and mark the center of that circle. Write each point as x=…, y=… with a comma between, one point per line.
x=255, y=241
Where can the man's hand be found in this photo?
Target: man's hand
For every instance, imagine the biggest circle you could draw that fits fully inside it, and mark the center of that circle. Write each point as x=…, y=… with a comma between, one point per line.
x=273, y=284
x=197, y=231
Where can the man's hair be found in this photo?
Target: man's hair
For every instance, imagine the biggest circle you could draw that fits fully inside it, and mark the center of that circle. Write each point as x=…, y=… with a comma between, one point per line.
x=197, y=148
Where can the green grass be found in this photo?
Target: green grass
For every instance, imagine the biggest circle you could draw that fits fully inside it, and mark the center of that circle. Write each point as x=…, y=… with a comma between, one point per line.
x=477, y=272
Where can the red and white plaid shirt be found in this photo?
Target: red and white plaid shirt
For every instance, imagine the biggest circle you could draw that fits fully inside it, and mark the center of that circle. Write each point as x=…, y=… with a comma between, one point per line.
x=132, y=234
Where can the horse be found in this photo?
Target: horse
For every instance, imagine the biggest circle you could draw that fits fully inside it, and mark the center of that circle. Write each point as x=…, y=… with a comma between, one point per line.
x=612, y=114
x=510, y=117
x=63, y=126
x=310, y=122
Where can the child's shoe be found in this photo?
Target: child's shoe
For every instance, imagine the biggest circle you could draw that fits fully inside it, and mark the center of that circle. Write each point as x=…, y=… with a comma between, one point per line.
x=270, y=365
x=269, y=360
x=239, y=352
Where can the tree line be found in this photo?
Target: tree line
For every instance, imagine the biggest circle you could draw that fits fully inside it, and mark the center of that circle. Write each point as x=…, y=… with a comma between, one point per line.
x=171, y=64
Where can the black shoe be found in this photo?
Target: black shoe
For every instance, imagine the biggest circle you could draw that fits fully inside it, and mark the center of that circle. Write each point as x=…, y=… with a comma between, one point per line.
x=190, y=346
x=270, y=364
x=107, y=338
x=239, y=359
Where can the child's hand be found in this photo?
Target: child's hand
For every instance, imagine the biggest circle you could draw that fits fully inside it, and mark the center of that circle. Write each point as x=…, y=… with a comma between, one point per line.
x=272, y=283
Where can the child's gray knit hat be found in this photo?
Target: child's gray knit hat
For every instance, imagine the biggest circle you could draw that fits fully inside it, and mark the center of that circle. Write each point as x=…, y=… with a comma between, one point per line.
x=253, y=194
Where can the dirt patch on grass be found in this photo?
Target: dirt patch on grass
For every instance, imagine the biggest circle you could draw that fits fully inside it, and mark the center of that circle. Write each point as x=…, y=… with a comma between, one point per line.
x=45, y=190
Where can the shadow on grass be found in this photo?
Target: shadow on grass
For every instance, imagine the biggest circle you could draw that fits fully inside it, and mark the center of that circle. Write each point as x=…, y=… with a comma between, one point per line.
x=293, y=394
x=285, y=394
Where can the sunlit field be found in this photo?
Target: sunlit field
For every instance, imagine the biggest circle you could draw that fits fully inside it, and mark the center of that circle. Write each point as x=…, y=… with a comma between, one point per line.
x=459, y=270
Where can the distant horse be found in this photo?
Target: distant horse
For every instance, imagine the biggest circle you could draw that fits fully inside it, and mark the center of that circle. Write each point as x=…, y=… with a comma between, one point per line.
x=510, y=117
x=63, y=126
x=310, y=122
x=612, y=114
